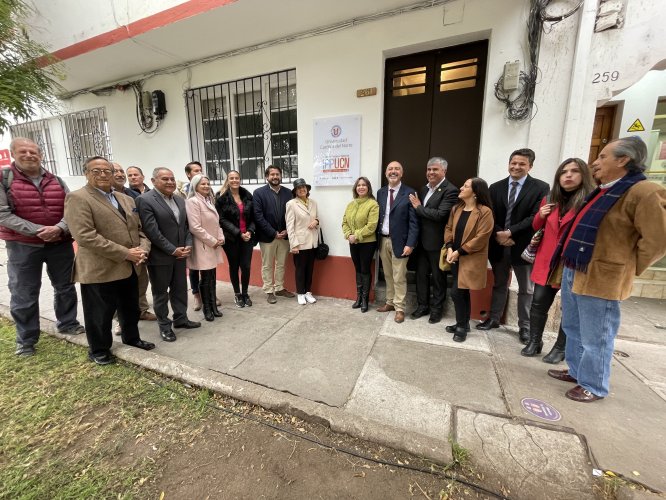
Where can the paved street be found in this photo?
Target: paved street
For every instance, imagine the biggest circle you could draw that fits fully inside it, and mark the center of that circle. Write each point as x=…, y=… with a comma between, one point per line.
x=410, y=386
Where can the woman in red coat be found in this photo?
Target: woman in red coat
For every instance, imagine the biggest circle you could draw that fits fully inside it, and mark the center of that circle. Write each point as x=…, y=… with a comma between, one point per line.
x=572, y=184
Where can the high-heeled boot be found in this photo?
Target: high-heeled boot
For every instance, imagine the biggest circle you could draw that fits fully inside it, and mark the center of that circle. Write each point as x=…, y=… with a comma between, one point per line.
x=206, y=299
x=556, y=354
x=537, y=325
x=365, y=291
x=359, y=292
x=213, y=289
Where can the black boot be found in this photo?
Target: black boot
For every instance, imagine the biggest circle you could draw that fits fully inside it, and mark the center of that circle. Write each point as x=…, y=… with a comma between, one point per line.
x=206, y=299
x=213, y=288
x=460, y=334
x=537, y=325
x=365, y=291
x=359, y=292
x=556, y=354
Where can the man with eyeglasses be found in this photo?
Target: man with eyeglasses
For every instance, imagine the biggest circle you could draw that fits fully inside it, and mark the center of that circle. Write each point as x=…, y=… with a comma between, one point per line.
x=111, y=245
x=164, y=221
x=31, y=223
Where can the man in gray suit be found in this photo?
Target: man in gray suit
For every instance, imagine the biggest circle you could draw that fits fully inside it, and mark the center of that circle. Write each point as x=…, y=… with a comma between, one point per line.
x=164, y=222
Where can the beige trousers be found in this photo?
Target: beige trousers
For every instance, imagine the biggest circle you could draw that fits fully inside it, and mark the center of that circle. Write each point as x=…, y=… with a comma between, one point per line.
x=273, y=257
x=395, y=273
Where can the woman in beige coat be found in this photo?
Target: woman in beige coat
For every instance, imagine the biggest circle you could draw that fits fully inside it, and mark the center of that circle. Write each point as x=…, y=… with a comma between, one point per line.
x=303, y=234
x=466, y=238
x=207, y=238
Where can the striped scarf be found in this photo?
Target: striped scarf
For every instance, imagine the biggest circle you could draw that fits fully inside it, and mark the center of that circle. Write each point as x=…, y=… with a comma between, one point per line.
x=578, y=252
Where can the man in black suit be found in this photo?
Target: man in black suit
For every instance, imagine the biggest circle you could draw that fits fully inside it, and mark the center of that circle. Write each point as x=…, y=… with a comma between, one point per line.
x=164, y=222
x=515, y=201
x=432, y=206
x=398, y=234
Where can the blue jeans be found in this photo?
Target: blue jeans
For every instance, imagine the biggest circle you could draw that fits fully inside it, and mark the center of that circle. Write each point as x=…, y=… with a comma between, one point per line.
x=590, y=324
x=24, y=270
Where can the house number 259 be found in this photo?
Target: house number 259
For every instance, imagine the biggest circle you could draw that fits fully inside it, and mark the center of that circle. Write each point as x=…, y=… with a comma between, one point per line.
x=606, y=76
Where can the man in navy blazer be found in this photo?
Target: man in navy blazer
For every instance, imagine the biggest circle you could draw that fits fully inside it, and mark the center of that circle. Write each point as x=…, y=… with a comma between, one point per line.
x=398, y=234
x=270, y=202
x=433, y=205
x=164, y=222
x=515, y=201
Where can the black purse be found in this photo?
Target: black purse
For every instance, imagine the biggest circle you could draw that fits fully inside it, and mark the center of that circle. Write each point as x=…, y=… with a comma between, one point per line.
x=322, y=249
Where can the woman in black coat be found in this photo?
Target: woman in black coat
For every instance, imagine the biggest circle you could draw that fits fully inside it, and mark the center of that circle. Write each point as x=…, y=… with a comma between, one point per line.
x=235, y=207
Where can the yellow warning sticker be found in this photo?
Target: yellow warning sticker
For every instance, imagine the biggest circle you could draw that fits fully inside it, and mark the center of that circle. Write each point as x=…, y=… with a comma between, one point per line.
x=637, y=126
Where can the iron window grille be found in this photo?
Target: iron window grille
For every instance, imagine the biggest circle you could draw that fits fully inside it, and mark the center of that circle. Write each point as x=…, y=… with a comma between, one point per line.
x=38, y=131
x=86, y=134
x=245, y=125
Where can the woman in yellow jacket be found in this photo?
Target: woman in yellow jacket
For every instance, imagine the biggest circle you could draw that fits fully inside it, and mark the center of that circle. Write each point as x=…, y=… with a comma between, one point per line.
x=359, y=225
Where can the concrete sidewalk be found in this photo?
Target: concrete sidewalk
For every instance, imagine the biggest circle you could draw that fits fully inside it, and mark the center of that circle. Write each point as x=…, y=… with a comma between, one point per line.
x=411, y=387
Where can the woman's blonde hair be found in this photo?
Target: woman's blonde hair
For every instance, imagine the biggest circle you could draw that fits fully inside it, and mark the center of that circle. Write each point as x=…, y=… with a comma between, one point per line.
x=225, y=184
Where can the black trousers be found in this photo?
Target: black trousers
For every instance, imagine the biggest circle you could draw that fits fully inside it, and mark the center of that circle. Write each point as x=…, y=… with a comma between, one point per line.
x=195, y=278
x=239, y=254
x=362, y=254
x=169, y=284
x=427, y=272
x=461, y=299
x=100, y=302
x=304, y=264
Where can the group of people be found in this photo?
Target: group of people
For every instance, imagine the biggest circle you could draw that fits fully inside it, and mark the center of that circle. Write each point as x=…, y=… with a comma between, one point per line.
x=594, y=241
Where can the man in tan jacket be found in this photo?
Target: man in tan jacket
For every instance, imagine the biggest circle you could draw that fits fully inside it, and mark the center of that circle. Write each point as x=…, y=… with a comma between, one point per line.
x=617, y=234
x=107, y=230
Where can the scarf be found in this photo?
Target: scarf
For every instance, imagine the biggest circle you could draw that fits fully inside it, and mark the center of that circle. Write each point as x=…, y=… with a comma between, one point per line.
x=578, y=252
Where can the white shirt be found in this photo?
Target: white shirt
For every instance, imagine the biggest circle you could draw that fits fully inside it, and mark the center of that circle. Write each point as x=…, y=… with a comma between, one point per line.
x=385, y=222
x=431, y=191
x=518, y=187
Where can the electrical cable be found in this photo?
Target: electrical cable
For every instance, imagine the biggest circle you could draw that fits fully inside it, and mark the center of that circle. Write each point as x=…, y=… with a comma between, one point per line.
x=313, y=440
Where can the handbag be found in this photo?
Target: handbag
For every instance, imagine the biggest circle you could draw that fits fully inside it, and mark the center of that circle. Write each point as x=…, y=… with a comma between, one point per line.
x=322, y=248
x=444, y=265
x=529, y=254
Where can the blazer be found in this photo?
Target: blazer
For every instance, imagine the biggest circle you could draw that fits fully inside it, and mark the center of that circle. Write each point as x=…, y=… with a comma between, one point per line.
x=360, y=219
x=403, y=221
x=203, y=222
x=103, y=235
x=472, y=268
x=268, y=219
x=230, y=215
x=522, y=215
x=160, y=226
x=299, y=217
x=435, y=214
x=553, y=229
x=631, y=237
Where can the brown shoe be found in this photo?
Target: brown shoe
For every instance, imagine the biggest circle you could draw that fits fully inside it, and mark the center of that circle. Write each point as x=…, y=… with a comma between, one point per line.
x=581, y=395
x=385, y=308
x=399, y=316
x=147, y=316
x=562, y=375
x=285, y=293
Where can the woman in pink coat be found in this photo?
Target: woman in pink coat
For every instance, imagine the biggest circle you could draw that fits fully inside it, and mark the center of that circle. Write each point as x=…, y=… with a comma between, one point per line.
x=207, y=239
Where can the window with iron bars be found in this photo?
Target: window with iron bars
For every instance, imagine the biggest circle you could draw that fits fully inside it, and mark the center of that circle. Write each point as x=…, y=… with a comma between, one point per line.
x=86, y=134
x=38, y=132
x=245, y=125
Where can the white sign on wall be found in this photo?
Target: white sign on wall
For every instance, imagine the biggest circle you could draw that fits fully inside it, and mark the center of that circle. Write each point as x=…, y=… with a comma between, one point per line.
x=337, y=150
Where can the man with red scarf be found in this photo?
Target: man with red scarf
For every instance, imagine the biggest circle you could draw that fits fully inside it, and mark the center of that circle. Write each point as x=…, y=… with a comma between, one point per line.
x=618, y=233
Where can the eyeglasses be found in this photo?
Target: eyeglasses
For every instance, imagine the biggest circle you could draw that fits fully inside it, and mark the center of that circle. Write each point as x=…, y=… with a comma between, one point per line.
x=96, y=171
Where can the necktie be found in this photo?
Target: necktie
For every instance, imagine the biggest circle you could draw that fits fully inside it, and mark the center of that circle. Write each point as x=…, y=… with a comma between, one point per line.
x=391, y=198
x=512, y=202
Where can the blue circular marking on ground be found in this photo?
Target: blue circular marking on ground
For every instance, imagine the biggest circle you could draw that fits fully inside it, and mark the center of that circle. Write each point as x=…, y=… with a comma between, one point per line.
x=540, y=409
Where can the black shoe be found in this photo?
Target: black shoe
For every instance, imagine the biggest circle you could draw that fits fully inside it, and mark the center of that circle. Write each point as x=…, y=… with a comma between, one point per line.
x=238, y=300
x=556, y=355
x=460, y=335
x=168, y=335
x=488, y=324
x=532, y=348
x=524, y=336
x=435, y=317
x=25, y=350
x=188, y=325
x=102, y=359
x=452, y=328
x=420, y=312
x=247, y=300
x=142, y=344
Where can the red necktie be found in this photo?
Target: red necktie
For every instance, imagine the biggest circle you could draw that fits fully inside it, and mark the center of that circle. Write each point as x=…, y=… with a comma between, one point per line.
x=391, y=199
